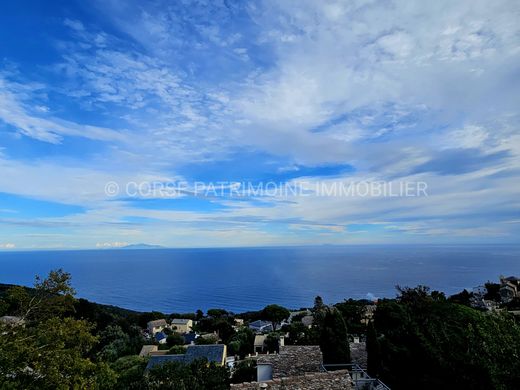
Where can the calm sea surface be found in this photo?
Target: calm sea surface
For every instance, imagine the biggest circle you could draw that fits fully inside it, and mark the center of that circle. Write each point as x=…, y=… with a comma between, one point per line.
x=183, y=280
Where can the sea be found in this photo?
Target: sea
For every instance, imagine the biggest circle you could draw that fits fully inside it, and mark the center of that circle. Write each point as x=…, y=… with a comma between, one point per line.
x=243, y=279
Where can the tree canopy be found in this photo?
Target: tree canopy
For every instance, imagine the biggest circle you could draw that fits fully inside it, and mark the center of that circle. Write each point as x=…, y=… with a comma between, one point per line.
x=276, y=314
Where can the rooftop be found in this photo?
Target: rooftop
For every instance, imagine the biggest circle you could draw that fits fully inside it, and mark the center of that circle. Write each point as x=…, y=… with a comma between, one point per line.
x=214, y=353
x=294, y=360
x=147, y=349
x=154, y=323
x=157, y=360
x=336, y=380
x=180, y=321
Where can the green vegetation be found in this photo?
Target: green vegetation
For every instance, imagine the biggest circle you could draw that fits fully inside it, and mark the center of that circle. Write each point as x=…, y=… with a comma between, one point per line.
x=334, y=343
x=244, y=371
x=275, y=314
x=198, y=375
x=52, y=350
x=425, y=341
x=421, y=339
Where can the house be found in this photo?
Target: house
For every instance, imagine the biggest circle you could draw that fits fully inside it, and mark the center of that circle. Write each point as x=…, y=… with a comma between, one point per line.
x=161, y=337
x=156, y=326
x=509, y=288
x=308, y=321
x=261, y=326
x=12, y=320
x=181, y=325
x=260, y=344
x=368, y=314
x=213, y=353
x=239, y=322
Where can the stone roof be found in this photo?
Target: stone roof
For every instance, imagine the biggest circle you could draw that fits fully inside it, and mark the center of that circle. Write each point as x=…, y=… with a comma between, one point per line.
x=293, y=360
x=159, y=336
x=154, y=323
x=214, y=353
x=334, y=380
x=147, y=349
x=157, y=360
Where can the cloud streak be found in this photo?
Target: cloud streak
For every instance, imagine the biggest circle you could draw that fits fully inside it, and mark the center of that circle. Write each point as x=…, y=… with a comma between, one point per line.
x=256, y=91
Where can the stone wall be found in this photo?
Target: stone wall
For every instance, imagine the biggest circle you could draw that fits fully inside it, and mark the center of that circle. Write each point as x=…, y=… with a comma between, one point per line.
x=335, y=380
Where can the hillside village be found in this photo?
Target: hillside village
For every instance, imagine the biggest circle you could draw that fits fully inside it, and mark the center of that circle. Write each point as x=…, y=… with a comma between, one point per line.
x=180, y=340
x=348, y=345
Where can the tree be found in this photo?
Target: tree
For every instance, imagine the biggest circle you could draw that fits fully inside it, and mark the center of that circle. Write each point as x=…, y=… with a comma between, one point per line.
x=205, y=340
x=334, y=343
x=272, y=342
x=242, y=343
x=174, y=339
x=114, y=342
x=373, y=351
x=276, y=314
x=52, y=296
x=51, y=355
x=244, y=371
x=52, y=350
x=199, y=375
x=217, y=313
x=177, y=350
x=130, y=370
x=430, y=344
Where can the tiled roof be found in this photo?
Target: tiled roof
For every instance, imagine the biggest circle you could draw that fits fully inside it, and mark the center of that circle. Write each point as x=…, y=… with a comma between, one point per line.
x=158, y=360
x=161, y=322
x=160, y=336
x=294, y=360
x=335, y=380
x=213, y=352
x=189, y=338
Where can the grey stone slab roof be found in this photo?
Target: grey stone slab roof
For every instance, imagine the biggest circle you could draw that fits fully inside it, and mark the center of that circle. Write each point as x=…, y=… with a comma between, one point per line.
x=161, y=322
x=161, y=359
x=294, y=360
x=213, y=352
x=336, y=380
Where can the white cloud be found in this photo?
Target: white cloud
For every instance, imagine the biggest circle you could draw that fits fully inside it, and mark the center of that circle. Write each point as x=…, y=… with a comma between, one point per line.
x=49, y=129
x=116, y=244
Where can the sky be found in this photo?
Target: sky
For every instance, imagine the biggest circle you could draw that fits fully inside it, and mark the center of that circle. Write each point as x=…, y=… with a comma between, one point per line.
x=98, y=98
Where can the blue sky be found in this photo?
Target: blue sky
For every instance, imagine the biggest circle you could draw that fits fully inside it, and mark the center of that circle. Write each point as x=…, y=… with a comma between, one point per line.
x=288, y=92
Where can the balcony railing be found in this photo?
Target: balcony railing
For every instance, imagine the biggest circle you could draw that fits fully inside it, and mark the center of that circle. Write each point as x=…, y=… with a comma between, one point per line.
x=361, y=379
